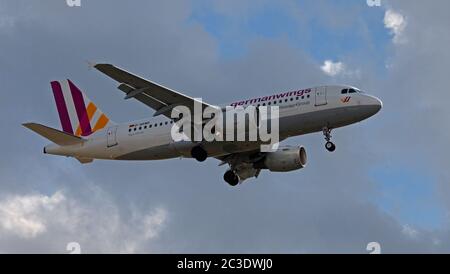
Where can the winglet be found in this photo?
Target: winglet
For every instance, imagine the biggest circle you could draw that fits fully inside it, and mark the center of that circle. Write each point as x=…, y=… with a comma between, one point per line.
x=91, y=64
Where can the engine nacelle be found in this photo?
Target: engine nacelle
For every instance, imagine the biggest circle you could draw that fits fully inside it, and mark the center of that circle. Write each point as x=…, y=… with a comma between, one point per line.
x=284, y=160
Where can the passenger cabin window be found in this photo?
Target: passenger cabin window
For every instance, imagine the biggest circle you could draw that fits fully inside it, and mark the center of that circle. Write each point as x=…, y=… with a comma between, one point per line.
x=344, y=91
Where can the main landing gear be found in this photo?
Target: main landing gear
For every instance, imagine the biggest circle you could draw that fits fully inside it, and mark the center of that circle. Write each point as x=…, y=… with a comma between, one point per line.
x=199, y=154
x=329, y=145
x=231, y=178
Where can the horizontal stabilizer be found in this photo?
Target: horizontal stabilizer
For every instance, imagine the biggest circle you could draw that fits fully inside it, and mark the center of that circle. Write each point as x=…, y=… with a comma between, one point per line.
x=58, y=137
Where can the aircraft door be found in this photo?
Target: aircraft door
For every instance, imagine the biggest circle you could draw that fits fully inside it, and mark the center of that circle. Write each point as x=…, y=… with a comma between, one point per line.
x=111, y=136
x=321, y=96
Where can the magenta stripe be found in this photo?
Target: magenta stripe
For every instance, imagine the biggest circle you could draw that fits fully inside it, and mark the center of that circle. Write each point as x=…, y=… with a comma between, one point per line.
x=61, y=106
x=83, y=118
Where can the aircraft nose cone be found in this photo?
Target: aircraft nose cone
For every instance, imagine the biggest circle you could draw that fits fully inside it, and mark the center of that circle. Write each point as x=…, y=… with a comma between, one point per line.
x=373, y=106
x=378, y=104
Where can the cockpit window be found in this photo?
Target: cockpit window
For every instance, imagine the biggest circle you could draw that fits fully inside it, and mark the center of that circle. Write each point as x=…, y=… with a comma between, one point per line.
x=344, y=91
x=351, y=91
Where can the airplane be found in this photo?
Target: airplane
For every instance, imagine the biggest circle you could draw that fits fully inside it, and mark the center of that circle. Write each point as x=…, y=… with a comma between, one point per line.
x=88, y=133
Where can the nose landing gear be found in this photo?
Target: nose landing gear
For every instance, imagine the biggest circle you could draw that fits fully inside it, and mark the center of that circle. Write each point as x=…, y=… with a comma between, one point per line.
x=329, y=145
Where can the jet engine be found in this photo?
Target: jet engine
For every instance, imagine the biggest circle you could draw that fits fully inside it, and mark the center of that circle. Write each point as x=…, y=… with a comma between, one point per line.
x=284, y=160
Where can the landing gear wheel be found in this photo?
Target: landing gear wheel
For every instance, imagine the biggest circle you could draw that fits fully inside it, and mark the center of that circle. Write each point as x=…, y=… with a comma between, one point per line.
x=199, y=154
x=231, y=178
x=330, y=146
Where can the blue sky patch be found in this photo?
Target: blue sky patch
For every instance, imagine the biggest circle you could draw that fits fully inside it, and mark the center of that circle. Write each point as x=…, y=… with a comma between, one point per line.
x=410, y=196
x=322, y=41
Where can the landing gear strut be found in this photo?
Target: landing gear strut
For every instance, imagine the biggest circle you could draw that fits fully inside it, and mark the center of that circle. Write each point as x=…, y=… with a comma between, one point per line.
x=199, y=154
x=231, y=178
x=329, y=145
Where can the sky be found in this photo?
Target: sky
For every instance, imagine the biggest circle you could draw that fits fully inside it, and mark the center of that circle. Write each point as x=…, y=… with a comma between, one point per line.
x=388, y=181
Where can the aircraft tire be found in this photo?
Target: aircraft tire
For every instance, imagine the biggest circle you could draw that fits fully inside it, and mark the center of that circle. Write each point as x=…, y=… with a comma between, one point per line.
x=231, y=178
x=330, y=146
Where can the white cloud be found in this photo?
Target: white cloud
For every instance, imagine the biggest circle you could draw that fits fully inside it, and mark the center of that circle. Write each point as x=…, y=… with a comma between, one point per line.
x=410, y=231
x=332, y=68
x=25, y=216
x=96, y=223
x=145, y=227
x=396, y=23
x=152, y=223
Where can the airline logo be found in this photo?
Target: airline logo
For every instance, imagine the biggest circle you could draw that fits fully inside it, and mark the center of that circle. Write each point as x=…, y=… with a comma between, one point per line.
x=79, y=116
x=283, y=95
x=346, y=99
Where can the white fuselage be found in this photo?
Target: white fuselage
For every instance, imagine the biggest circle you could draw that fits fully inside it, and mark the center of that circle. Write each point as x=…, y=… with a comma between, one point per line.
x=151, y=139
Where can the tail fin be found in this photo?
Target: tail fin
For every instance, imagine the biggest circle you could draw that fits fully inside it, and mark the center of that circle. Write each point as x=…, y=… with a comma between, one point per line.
x=79, y=116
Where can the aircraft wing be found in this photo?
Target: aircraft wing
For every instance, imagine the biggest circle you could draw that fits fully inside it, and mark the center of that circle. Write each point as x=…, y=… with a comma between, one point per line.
x=154, y=95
